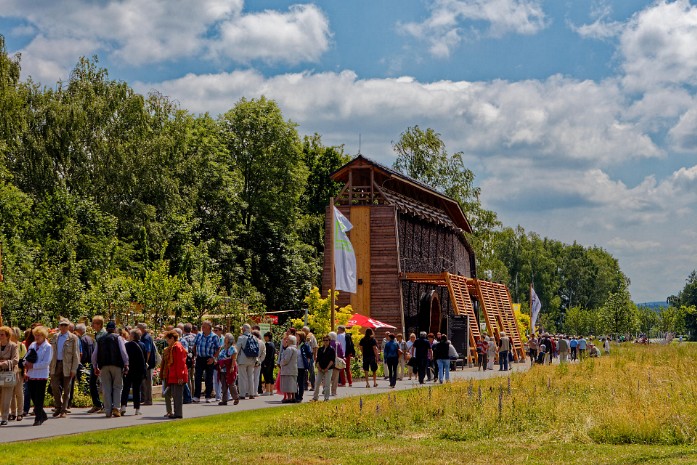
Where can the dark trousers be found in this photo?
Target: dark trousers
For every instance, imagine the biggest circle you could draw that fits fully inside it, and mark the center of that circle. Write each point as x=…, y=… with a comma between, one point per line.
x=128, y=384
x=202, y=367
x=392, y=369
x=311, y=374
x=27, y=397
x=94, y=390
x=302, y=383
x=573, y=353
x=37, y=393
x=175, y=393
x=422, y=367
x=503, y=360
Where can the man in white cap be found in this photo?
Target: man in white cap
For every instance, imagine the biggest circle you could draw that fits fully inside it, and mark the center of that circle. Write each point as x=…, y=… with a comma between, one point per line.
x=63, y=368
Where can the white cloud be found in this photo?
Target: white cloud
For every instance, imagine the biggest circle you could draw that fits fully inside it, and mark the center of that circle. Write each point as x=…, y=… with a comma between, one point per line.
x=557, y=121
x=452, y=21
x=601, y=28
x=659, y=46
x=631, y=245
x=137, y=32
x=301, y=34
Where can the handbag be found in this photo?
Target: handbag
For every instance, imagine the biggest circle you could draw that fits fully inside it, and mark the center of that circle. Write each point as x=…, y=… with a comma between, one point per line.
x=8, y=378
x=339, y=363
x=32, y=356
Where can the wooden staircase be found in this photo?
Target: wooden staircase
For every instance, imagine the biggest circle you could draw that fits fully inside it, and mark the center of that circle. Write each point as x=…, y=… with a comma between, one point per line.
x=462, y=305
x=510, y=322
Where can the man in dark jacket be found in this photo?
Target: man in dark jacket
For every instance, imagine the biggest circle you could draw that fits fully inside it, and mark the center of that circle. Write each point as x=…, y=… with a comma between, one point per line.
x=136, y=371
x=422, y=353
x=110, y=361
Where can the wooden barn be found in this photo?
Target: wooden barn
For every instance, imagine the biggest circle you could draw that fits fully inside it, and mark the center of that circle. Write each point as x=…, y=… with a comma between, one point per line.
x=415, y=267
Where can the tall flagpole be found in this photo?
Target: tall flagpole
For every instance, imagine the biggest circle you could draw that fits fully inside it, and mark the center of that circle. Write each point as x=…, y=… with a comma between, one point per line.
x=2, y=279
x=332, y=270
x=532, y=324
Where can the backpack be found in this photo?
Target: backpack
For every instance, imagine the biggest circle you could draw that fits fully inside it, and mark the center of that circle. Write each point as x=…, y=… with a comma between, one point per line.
x=251, y=347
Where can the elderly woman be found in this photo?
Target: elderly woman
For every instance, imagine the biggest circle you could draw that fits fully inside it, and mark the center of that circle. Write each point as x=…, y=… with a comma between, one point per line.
x=9, y=358
x=491, y=351
x=289, y=371
x=17, y=406
x=137, y=369
x=227, y=370
x=339, y=354
x=36, y=363
x=174, y=374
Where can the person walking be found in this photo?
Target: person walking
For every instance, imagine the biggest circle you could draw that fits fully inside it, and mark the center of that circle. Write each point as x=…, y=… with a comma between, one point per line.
x=206, y=348
x=37, y=363
x=402, y=361
x=504, y=348
x=563, y=346
x=485, y=353
x=247, y=356
x=289, y=371
x=174, y=375
x=17, y=405
x=369, y=351
x=305, y=361
x=136, y=371
x=227, y=370
x=63, y=369
x=336, y=371
x=324, y=364
x=268, y=364
x=532, y=346
x=582, y=344
x=422, y=353
x=573, y=345
x=110, y=361
x=348, y=348
x=150, y=359
x=99, y=332
x=9, y=361
x=391, y=356
x=491, y=352
x=441, y=354
x=311, y=341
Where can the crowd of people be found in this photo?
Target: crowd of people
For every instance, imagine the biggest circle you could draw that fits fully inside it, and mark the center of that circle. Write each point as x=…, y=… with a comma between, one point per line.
x=547, y=347
x=196, y=365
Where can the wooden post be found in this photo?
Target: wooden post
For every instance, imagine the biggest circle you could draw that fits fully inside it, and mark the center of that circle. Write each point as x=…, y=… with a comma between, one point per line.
x=330, y=250
x=532, y=325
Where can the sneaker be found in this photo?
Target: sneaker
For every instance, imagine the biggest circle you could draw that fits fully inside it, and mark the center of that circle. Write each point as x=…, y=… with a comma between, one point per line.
x=137, y=412
x=208, y=400
x=93, y=410
x=115, y=412
x=196, y=400
x=63, y=415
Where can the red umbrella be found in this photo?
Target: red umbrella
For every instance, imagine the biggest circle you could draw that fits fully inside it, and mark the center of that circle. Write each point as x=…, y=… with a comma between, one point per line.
x=361, y=320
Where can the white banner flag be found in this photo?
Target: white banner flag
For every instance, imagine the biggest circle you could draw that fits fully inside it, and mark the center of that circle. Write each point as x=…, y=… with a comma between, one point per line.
x=344, y=256
x=536, y=307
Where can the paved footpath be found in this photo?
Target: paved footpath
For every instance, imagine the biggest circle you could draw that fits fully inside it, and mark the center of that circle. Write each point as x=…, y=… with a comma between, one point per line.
x=79, y=421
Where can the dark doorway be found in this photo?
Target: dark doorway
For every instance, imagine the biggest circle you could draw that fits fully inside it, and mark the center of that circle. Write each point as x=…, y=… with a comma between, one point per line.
x=430, y=314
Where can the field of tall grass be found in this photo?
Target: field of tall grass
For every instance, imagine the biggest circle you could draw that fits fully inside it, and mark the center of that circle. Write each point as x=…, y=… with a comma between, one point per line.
x=637, y=395
x=635, y=406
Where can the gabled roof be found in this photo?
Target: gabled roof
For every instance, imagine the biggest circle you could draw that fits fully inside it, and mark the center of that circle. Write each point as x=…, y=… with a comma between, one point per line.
x=409, y=195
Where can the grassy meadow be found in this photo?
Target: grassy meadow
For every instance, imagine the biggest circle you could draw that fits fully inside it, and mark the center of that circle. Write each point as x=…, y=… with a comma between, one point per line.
x=638, y=405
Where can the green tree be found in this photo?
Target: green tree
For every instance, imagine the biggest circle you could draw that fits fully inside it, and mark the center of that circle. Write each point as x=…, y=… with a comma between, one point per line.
x=619, y=314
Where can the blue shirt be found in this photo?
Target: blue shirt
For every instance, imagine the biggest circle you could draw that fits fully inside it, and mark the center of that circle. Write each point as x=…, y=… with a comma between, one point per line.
x=391, y=350
x=573, y=343
x=582, y=344
x=60, y=342
x=206, y=346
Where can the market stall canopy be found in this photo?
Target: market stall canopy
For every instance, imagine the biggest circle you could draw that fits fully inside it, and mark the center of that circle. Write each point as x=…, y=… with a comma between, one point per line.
x=361, y=320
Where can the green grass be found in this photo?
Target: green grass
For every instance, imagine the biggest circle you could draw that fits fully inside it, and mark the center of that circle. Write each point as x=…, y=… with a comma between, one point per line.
x=637, y=406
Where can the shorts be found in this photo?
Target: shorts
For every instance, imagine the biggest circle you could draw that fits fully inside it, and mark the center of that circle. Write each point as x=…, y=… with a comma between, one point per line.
x=267, y=374
x=370, y=365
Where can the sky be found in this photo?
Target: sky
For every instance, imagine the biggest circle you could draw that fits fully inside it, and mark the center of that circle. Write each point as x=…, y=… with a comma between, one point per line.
x=578, y=117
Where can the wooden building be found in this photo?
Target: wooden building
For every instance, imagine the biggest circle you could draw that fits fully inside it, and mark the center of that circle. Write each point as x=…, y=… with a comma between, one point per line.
x=414, y=263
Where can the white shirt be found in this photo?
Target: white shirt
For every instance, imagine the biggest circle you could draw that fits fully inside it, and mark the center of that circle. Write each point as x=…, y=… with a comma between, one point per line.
x=341, y=339
x=39, y=370
x=60, y=342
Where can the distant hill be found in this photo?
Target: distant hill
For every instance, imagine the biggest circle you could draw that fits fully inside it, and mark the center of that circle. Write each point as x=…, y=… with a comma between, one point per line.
x=652, y=305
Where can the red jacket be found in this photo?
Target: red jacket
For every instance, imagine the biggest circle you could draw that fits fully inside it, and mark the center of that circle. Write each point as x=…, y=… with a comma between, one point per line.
x=177, y=364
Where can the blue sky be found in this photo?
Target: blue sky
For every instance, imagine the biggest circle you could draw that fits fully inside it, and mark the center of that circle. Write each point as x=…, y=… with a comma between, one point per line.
x=579, y=118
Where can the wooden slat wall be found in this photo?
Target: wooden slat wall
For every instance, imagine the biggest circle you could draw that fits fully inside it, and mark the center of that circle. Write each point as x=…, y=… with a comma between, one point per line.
x=385, y=297
x=360, y=239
